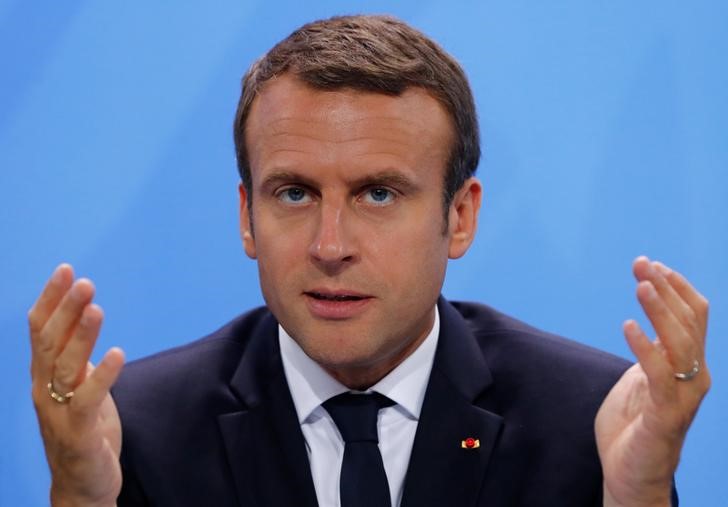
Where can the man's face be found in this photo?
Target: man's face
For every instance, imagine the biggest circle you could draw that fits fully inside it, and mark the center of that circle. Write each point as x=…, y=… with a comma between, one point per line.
x=347, y=220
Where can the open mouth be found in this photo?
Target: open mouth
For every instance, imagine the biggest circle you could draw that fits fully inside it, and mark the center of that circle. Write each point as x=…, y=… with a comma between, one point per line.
x=335, y=297
x=332, y=304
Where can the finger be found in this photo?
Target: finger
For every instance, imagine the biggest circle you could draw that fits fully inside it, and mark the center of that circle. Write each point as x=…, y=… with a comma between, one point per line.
x=56, y=286
x=673, y=336
x=70, y=365
x=92, y=392
x=640, y=268
x=58, y=328
x=694, y=299
x=677, y=305
x=54, y=290
x=652, y=361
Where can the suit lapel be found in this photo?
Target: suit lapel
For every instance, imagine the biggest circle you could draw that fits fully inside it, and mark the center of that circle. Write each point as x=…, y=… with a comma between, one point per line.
x=265, y=447
x=266, y=450
x=440, y=471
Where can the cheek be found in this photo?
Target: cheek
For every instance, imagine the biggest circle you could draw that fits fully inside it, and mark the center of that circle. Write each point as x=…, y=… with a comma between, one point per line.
x=276, y=240
x=278, y=261
x=415, y=256
x=424, y=241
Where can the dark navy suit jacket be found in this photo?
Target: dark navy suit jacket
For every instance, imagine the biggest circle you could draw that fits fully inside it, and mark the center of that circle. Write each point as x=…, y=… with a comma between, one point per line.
x=213, y=422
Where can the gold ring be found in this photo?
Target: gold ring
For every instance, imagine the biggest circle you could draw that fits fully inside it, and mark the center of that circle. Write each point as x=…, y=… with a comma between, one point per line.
x=690, y=374
x=60, y=398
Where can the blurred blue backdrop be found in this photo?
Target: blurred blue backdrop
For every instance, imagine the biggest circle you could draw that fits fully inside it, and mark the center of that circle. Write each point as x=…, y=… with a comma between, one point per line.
x=605, y=131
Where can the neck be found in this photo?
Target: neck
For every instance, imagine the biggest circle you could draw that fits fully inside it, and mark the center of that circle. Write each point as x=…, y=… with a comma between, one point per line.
x=362, y=377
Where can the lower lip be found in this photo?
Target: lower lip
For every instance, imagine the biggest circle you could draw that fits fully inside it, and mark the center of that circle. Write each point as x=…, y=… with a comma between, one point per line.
x=336, y=310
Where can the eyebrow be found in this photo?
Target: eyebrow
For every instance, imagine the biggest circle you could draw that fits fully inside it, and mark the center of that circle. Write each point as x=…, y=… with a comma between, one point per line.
x=386, y=177
x=389, y=178
x=278, y=178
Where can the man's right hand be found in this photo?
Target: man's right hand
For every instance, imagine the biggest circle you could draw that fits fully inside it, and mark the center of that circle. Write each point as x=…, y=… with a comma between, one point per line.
x=82, y=434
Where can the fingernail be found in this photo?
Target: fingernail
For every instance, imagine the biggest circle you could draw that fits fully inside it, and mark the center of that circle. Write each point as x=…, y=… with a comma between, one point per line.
x=630, y=328
x=76, y=292
x=56, y=276
x=650, y=290
x=650, y=269
x=662, y=268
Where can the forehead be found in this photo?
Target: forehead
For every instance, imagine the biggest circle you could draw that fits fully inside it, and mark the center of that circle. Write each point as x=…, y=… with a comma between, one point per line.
x=289, y=117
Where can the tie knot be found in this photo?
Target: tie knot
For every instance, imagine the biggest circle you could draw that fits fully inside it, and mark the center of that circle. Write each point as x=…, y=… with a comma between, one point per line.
x=356, y=415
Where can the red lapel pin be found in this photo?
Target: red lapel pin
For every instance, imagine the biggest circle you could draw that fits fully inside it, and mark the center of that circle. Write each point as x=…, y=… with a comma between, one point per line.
x=470, y=443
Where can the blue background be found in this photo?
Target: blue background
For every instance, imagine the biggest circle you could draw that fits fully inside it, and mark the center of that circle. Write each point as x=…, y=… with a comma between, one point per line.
x=605, y=131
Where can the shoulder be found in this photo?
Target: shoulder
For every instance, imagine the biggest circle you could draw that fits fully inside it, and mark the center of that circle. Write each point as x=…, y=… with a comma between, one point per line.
x=195, y=371
x=540, y=379
x=547, y=390
x=170, y=406
x=507, y=342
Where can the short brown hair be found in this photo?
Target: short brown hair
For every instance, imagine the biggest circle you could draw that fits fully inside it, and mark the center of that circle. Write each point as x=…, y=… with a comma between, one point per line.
x=370, y=53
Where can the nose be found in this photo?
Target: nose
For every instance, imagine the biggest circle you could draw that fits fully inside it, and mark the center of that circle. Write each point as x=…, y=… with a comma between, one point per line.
x=332, y=246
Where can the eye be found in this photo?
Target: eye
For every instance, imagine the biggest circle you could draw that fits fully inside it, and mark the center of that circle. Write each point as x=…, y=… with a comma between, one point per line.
x=293, y=195
x=378, y=196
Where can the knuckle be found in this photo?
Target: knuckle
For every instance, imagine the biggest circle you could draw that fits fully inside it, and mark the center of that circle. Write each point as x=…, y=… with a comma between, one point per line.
x=64, y=374
x=34, y=321
x=695, y=330
x=661, y=311
x=703, y=305
x=689, y=320
x=36, y=395
x=689, y=315
x=45, y=341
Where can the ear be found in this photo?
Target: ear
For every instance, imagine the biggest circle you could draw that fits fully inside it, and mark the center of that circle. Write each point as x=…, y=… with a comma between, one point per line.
x=246, y=226
x=463, y=217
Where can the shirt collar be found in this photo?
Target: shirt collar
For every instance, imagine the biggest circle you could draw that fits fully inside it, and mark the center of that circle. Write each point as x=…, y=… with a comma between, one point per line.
x=311, y=385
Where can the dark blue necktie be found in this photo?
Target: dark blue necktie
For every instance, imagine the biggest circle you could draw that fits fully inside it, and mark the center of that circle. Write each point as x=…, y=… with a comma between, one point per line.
x=363, y=481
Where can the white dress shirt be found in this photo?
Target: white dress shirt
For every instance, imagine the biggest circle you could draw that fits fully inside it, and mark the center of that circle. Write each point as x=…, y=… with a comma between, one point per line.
x=311, y=385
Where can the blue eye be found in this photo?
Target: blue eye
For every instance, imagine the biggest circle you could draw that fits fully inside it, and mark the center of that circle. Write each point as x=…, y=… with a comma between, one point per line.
x=379, y=196
x=293, y=195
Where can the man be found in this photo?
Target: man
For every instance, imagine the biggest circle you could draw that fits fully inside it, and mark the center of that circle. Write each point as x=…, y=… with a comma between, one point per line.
x=357, y=142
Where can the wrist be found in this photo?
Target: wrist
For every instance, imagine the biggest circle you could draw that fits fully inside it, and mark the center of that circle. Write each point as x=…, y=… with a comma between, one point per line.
x=61, y=498
x=642, y=500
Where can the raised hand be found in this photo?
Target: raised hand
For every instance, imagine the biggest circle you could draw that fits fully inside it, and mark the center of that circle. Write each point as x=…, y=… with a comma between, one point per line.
x=77, y=416
x=641, y=425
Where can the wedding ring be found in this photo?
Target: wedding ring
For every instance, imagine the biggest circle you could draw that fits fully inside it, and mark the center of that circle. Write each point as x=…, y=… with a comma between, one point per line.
x=690, y=374
x=60, y=398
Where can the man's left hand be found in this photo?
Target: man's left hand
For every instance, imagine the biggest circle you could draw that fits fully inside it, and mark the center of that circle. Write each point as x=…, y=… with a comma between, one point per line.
x=641, y=425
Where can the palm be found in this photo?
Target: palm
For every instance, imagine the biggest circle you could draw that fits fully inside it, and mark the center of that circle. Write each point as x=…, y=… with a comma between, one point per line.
x=109, y=429
x=636, y=437
x=95, y=439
